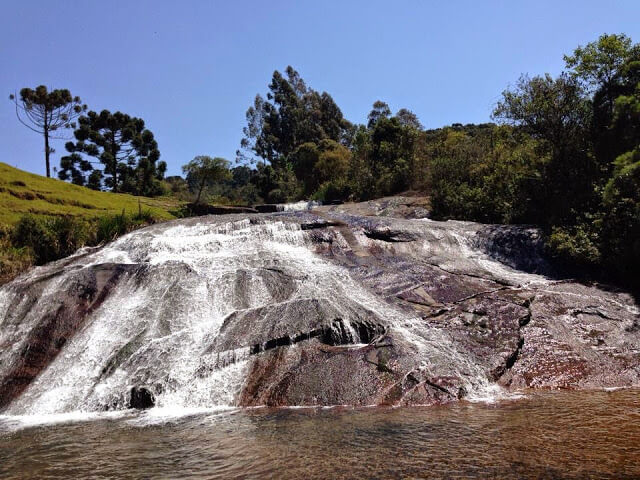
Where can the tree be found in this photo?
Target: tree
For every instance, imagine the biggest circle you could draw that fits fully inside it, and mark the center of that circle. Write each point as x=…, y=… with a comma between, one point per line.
x=291, y=115
x=615, y=131
x=597, y=63
x=379, y=110
x=204, y=171
x=557, y=112
x=126, y=149
x=303, y=160
x=621, y=218
x=392, y=154
x=408, y=119
x=484, y=174
x=46, y=113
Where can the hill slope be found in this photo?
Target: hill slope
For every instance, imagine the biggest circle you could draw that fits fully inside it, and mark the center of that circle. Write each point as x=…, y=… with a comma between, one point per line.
x=22, y=192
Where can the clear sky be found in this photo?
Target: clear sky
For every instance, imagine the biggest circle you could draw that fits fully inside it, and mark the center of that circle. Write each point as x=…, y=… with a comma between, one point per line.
x=190, y=69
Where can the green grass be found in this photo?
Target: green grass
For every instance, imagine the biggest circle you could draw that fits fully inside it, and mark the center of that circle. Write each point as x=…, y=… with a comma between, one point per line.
x=26, y=193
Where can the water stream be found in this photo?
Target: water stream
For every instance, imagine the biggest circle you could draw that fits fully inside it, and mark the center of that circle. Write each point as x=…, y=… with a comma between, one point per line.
x=159, y=328
x=553, y=435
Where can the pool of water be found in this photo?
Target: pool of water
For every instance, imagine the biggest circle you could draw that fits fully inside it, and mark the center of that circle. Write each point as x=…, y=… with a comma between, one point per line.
x=543, y=435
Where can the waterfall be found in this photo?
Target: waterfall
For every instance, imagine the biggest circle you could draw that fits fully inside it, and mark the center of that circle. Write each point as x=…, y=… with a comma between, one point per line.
x=196, y=299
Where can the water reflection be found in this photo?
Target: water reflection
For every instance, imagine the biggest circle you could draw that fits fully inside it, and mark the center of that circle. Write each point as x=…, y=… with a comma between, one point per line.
x=548, y=435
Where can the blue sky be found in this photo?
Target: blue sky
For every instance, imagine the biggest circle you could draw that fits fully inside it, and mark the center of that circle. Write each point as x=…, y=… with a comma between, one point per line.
x=190, y=69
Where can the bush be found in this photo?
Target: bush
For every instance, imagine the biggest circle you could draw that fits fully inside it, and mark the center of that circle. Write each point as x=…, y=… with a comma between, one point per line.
x=332, y=191
x=39, y=240
x=13, y=260
x=50, y=238
x=110, y=228
x=574, y=247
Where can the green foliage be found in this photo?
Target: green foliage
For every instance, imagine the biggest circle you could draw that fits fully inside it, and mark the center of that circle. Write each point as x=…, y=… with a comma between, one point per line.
x=490, y=175
x=574, y=246
x=50, y=238
x=39, y=240
x=567, y=158
x=46, y=113
x=599, y=62
x=178, y=187
x=204, y=171
x=557, y=113
x=379, y=111
x=621, y=220
x=333, y=162
x=127, y=150
x=277, y=185
x=13, y=260
x=335, y=190
x=407, y=118
x=384, y=154
x=111, y=227
x=291, y=115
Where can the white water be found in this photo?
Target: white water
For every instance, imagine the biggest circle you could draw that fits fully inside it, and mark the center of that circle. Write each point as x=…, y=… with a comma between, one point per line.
x=168, y=319
x=301, y=205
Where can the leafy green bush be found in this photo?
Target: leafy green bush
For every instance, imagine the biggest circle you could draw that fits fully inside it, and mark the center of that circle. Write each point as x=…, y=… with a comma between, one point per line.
x=111, y=227
x=332, y=191
x=50, y=238
x=13, y=260
x=574, y=247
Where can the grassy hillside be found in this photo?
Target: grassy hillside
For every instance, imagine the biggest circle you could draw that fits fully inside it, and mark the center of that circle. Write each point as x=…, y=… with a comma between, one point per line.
x=22, y=192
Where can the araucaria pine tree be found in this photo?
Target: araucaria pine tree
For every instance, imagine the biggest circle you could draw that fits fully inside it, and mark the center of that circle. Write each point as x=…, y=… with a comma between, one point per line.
x=122, y=146
x=47, y=113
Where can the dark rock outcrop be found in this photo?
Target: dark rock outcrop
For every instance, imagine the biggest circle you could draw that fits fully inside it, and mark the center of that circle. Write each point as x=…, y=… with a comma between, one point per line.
x=268, y=208
x=197, y=209
x=141, y=398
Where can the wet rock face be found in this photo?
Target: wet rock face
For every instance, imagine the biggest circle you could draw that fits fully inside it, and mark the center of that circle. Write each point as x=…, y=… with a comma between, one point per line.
x=307, y=308
x=141, y=398
x=78, y=295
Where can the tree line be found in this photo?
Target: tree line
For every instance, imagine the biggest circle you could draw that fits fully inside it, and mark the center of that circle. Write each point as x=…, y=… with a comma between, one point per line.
x=561, y=152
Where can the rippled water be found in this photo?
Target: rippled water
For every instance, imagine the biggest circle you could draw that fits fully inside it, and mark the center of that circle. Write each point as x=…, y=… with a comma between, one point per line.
x=548, y=435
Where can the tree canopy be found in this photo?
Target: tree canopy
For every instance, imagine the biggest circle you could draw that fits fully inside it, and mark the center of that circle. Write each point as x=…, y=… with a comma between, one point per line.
x=292, y=114
x=204, y=171
x=122, y=146
x=46, y=113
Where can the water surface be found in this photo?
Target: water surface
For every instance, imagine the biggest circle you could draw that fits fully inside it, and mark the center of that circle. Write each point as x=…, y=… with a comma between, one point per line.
x=545, y=435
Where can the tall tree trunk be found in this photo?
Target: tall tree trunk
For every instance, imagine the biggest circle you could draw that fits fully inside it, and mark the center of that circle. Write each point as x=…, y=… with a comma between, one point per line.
x=115, y=162
x=46, y=151
x=199, y=192
x=46, y=144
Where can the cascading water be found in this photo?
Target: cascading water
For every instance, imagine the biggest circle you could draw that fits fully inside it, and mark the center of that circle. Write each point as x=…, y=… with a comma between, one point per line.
x=299, y=206
x=196, y=305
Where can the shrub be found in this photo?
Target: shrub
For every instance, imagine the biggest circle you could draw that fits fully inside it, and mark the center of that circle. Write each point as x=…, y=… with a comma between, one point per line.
x=13, y=260
x=574, y=247
x=111, y=227
x=332, y=191
x=31, y=233
x=50, y=238
x=621, y=219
